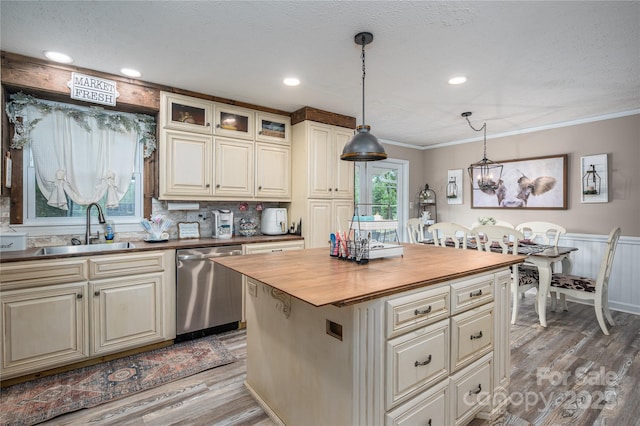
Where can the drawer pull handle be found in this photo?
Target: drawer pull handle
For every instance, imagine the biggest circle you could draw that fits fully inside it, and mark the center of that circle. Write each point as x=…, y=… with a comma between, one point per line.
x=418, y=363
x=476, y=336
x=422, y=312
x=475, y=293
x=477, y=391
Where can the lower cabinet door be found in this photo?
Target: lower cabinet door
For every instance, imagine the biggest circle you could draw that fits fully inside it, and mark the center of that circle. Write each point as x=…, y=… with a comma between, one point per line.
x=415, y=360
x=430, y=408
x=43, y=327
x=126, y=312
x=471, y=389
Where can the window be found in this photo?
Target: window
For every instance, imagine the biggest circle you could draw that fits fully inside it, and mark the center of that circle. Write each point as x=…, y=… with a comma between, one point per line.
x=75, y=156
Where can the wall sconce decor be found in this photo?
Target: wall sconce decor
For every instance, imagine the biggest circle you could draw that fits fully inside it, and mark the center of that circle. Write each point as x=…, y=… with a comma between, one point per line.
x=595, y=181
x=454, y=186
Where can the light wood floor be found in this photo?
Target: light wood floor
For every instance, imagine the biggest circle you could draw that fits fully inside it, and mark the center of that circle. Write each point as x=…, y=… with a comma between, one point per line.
x=571, y=344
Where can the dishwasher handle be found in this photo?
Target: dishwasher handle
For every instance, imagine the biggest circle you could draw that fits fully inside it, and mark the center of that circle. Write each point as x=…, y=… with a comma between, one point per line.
x=208, y=256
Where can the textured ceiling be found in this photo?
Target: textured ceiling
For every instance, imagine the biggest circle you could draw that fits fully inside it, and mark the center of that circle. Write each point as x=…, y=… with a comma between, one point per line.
x=529, y=64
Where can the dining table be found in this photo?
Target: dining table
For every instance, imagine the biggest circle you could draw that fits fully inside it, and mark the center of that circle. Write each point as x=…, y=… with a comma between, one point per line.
x=543, y=257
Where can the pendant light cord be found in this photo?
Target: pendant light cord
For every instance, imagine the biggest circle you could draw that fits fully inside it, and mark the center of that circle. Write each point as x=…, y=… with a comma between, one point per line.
x=484, y=127
x=363, y=75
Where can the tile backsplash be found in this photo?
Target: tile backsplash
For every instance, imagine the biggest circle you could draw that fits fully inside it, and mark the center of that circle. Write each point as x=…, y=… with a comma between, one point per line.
x=203, y=216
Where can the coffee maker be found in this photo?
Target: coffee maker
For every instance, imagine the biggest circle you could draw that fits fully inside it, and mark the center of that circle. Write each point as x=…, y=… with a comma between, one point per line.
x=222, y=224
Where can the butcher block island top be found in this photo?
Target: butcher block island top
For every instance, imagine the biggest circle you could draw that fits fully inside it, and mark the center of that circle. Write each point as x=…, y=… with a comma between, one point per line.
x=314, y=277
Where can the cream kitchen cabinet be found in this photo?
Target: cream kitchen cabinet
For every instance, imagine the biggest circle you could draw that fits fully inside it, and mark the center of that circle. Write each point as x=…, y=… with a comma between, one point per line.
x=234, y=168
x=60, y=311
x=185, y=113
x=316, y=160
x=222, y=161
x=324, y=217
x=273, y=171
x=186, y=166
x=43, y=327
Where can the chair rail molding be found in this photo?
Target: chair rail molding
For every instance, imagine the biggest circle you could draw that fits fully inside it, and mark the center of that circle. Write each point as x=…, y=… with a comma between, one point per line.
x=624, y=283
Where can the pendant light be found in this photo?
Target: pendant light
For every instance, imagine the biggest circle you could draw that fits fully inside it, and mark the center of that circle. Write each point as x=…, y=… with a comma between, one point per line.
x=485, y=174
x=363, y=146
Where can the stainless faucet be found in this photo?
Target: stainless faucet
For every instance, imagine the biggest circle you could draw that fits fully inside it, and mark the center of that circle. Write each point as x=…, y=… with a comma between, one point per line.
x=87, y=235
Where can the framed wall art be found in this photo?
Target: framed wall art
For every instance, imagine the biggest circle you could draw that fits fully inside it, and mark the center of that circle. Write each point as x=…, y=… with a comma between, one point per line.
x=594, y=179
x=528, y=183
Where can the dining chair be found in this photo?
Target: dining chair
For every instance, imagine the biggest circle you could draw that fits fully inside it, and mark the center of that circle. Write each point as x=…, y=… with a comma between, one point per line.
x=415, y=229
x=594, y=289
x=546, y=233
x=443, y=231
x=498, y=223
x=504, y=236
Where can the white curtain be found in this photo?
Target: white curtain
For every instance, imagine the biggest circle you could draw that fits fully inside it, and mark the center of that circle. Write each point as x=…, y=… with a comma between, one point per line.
x=82, y=164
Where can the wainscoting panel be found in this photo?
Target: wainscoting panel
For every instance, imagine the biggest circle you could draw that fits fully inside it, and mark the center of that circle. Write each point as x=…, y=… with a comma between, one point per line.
x=624, y=284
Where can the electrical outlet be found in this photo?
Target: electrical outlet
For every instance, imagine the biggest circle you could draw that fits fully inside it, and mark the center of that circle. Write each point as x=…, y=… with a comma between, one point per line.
x=410, y=204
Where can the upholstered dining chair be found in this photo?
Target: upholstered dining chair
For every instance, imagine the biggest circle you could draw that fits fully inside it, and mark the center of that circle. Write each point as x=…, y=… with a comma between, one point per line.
x=505, y=236
x=594, y=289
x=546, y=233
x=443, y=231
x=415, y=229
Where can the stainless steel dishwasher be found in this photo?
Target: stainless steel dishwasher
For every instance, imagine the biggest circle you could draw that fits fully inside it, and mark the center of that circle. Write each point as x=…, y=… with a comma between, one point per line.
x=209, y=296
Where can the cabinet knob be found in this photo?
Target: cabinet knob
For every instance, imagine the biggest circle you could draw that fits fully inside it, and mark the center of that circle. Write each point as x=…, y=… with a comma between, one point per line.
x=79, y=296
x=260, y=132
x=208, y=125
x=336, y=189
x=217, y=126
x=218, y=186
x=330, y=189
x=259, y=188
x=96, y=293
x=207, y=186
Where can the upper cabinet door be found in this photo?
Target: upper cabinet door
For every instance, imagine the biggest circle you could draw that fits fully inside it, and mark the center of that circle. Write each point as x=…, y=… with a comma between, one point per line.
x=273, y=128
x=234, y=122
x=186, y=113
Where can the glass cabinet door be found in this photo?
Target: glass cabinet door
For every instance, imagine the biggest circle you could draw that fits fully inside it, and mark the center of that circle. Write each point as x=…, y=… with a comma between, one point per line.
x=233, y=122
x=186, y=113
x=273, y=128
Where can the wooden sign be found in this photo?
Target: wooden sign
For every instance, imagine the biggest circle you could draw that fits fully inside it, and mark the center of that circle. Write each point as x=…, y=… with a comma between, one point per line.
x=93, y=89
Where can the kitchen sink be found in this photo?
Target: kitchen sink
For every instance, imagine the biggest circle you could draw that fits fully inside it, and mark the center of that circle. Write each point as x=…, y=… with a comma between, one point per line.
x=92, y=248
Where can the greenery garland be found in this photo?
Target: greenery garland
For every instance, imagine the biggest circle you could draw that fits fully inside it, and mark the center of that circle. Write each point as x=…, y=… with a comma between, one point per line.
x=143, y=125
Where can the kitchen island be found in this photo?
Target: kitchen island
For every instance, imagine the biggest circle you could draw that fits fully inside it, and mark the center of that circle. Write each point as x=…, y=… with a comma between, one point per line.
x=421, y=337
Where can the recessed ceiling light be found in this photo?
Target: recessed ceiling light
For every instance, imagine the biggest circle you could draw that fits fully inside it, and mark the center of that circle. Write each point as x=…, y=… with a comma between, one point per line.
x=58, y=57
x=458, y=80
x=130, y=72
x=291, y=81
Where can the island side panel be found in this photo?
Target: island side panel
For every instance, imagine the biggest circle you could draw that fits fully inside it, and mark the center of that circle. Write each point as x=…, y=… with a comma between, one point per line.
x=304, y=375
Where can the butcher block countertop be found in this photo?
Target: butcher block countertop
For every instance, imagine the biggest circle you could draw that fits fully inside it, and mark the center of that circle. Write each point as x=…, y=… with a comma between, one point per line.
x=314, y=277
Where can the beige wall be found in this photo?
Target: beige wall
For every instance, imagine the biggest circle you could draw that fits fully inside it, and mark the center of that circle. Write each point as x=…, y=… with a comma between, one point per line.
x=618, y=137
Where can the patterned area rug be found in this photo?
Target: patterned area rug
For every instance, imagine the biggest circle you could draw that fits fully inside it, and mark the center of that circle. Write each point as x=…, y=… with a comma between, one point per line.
x=42, y=399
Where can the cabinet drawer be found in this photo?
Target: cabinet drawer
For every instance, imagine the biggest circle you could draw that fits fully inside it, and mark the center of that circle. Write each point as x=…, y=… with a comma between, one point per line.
x=471, y=335
x=32, y=273
x=272, y=247
x=114, y=266
x=417, y=310
x=429, y=408
x=415, y=360
x=471, y=293
x=471, y=390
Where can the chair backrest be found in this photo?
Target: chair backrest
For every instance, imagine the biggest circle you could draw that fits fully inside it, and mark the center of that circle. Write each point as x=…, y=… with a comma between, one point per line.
x=602, y=282
x=548, y=232
x=498, y=223
x=504, y=236
x=415, y=228
x=444, y=230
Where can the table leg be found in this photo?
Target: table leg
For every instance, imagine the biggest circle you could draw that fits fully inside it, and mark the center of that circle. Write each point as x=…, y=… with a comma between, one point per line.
x=544, y=273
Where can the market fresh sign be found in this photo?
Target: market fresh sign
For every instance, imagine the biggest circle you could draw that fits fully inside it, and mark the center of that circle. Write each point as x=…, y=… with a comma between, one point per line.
x=93, y=89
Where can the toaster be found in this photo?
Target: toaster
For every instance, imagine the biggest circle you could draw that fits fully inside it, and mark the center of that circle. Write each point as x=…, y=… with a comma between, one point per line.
x=274, y=221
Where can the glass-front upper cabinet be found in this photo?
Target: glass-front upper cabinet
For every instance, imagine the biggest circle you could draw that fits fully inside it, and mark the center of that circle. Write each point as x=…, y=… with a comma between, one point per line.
x=233, y=122
x=186, y=113
x=273, y=128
